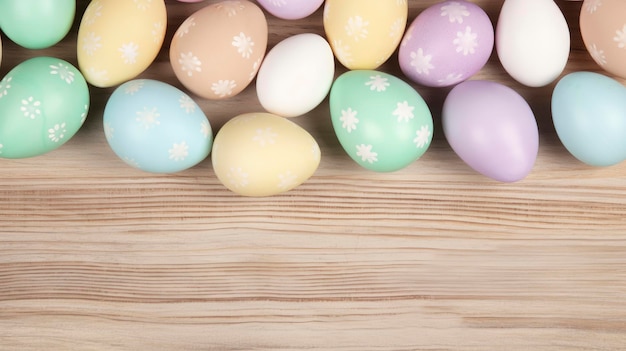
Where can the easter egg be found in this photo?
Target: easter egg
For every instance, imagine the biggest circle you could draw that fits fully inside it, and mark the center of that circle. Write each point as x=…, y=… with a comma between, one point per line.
x=446, y=44
x=43, y=103
x=291, y=9
x=296, y=75
x=492, y=129
x=382, y=123
x=603, y=29
x=261, y=154
x=589, y=115
x=364, y=33
x=532, y=41
x=155, y=127
x=119, y=39
x=0, y=49
x=217, y=51
x=37, y=24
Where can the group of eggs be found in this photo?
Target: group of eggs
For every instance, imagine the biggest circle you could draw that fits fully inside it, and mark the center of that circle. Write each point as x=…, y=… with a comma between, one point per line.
x=380, y=120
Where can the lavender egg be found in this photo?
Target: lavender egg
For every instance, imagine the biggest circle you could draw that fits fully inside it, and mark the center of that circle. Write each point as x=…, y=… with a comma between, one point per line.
x=446, y=44
x=492, y=129
x=291, y=9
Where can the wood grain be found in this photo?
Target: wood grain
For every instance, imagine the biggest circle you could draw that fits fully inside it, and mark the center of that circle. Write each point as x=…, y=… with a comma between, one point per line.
x=97, y=256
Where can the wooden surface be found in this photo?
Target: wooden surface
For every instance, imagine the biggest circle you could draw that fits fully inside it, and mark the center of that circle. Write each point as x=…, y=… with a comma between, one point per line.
x=97, y=256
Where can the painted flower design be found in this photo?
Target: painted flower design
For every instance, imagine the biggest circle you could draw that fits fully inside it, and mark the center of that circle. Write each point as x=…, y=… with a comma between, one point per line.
x=404, y=111
x=421, y=62
x=178, y=151
x=244, y=44
x=342, y=51
x=237, y=178
x=129, y=52
x=109, y=131
x=455, y=11
x=450, y=78
x=5, y=85
x=620, y=37
x=264, y=136
x=205, y=129
x=366, y=154
x=287, y=180
x=422, y=137
x=83, y=116
x=31, y=108
x=397, y=27
x=91, y=43
x=63, y=71
x=98, y=75
x=597, y=55
x=222, y=88
x=232, y=8
x=157, y=31
x=187, y=104
x=131, y=162
x=57, y=132
x=465, y=41
x=93, y=12
x=356, y=28
x=143, y=4
x=186, y=27
x=378, y=83
x=133, y=87
x=592, y=5
x=348, y=119
x=189, y=63
x=278, y=3
x=148, y=118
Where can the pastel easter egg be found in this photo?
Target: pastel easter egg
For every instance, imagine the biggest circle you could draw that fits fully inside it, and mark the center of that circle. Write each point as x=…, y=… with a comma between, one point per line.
x=261, y=154
x=217, y=51
x=603, y=29
x=155, y=127
x=446, y=44
x=382, y=123
x=492, y=129
x=296, y=75
x=589, y=115
x=532, y=41
x=291, y=9
x=43, y=103
x=37, y=24
x=364, y=33
x=119, y=39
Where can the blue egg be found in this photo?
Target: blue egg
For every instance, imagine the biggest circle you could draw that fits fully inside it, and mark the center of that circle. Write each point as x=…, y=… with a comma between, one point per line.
x=156, y=127
x=589, y=115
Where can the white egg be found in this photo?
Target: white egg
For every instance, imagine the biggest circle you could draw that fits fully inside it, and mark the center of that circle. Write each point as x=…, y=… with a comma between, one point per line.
x=532, y=41
x=296, y=75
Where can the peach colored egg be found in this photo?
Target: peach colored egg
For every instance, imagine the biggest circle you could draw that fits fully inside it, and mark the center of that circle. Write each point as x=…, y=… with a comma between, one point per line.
x=217, y=51
x=119, y=39
x=603, y=28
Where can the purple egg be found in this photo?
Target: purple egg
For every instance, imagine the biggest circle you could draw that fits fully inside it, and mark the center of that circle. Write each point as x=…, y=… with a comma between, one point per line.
x=492, y=129
x=446, y=44
x=291, y=9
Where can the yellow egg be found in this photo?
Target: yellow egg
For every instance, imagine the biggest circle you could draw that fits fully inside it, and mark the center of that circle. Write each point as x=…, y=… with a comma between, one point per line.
x=119, y=39
x=261, y=154
x=364, y=33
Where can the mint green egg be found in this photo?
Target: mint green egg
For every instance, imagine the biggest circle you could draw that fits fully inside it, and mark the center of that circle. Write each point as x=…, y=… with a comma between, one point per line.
x=43, y=103
x=36, y=24
x=381, y=121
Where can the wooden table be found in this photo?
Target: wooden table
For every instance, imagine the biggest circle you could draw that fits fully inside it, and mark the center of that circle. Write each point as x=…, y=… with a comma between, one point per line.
x=95, y=255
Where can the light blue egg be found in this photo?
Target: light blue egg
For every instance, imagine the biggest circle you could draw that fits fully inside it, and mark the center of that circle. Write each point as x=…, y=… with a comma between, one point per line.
x=156, y=127
x=589, y=115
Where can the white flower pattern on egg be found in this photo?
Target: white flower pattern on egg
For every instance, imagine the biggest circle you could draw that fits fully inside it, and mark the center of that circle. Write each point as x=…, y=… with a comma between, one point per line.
x=129, y=52
x=186, y=27
x=31, y=107
x=597, y=55
x=179, y=151
x=133, y=87
x=232, y=8
x=109, y=131
x=223, y=87
x=205, y=129
x=63, y=71
x=244, y=44
x=287, y=180
x=157, y=30
x=278, y=3
x=91, y=43
x=93, y=12
x=143, y=4
x=131, y=162
x=342, y=51
x=396, y=28
x=422, y=136
x=187, y=104
x=5, y=85
x=237, y=177
x=190, y=63
x=356, y=28
x=98, y=75
x=404, y=111
x=264, y=136
x=620, y=37
x=450, y=78
x=148, y=118
x=466, y=41
x=454, y=11
x=83, y=116
x=592, y=5
x=421, y=62
x=348, y=119
x=378, y=83
x=57, y=132
x=366, y=154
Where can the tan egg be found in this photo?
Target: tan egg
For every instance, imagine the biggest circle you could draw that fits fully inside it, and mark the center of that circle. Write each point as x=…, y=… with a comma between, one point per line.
x=217, y=51
x=261, y=154
x=603, y=28
x=119, y=39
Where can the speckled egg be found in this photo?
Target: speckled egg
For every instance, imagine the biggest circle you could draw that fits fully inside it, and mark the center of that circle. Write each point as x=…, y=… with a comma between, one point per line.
x=155, y=127
x=446, y=44
x=43, y=103
x=119, y=39
x=217, y=51
x=261, y=154
x=364, y=33
x=291, y=9
x=603, y=28
x=382, y=123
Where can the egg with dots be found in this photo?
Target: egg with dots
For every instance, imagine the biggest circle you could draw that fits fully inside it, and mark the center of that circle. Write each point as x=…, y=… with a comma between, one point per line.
x=381, y=122
x=43, y=103
x=261, y=154
x=603, y=29
x=447, y=43
x=364, y=33
x=37, y=24
x=296, y=75
x=492, y=129
x=155, y=127
x=217, y=51
x=291, y=9
x=532, y=41
x=119, y=39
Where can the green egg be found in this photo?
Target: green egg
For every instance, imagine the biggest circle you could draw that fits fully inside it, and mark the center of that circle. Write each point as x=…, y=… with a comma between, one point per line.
x=43, y=103
x=381, y=121
x=37, y=24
